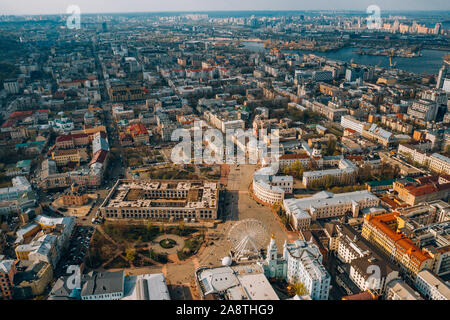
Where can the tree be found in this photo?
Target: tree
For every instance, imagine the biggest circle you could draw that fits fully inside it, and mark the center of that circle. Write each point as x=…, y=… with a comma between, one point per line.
x=130, y=255
x=138, y=242
x=331, y=147
x=181, y=226
x=298, y=288
x=364, y=174
x=277, y=208
x=162, y=228
x=296, y=170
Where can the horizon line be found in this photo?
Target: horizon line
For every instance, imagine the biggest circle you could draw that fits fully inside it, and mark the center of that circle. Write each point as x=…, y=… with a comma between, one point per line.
x=230, y=10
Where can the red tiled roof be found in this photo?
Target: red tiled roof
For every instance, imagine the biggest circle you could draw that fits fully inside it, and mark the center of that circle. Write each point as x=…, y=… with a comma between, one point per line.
x=99, y=157
x=137, y=129
x=65, y=152
x=79, y=135
x=428, y=179
x=20, y=114
x=427, y=189
x=9, y=123
x=64, y=138
x=354, y=158
x=294, y=156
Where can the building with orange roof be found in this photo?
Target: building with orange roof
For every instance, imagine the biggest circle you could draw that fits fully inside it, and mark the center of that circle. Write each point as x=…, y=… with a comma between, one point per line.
x=413, y=193
x=92, y=131
x=383, y=231
x=349, y=132
x=139, y=133
x=393, y=204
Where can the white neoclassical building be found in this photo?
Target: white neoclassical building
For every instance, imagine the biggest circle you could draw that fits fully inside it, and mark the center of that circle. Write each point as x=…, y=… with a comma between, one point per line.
x=346, y=170
x=324, y=205
x=301, y=263
x=270, y=188
x=304, y=264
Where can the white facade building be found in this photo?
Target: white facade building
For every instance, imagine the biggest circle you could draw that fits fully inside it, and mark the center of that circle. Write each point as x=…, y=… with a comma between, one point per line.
x=432, y=287
x=20, y=186
x=348, y=122
x=325, y=205
x=416, y=154
x=304, y=264
x=439, y=163
x=270, y=188
x=346, y=170
x=425, y=110
x=11, y=86
x=146, y=287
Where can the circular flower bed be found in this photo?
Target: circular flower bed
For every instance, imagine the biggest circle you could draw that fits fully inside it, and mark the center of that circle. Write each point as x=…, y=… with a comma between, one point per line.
x=167, y=243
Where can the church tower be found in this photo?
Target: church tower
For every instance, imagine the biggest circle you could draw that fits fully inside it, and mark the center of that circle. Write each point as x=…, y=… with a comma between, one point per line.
x=317, y=151
x=272, y=250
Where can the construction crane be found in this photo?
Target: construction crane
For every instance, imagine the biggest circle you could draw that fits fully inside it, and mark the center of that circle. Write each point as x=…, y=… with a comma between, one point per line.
x=391, y=55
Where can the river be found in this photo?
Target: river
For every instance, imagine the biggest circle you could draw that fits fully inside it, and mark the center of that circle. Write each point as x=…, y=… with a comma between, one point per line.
x=429, y=63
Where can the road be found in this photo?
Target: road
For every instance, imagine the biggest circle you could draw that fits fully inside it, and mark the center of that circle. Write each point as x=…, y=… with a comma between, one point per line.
x=341, y=284
x=87, y=220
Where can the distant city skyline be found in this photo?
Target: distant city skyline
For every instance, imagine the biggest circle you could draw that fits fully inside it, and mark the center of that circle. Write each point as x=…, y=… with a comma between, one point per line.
x=27, y=7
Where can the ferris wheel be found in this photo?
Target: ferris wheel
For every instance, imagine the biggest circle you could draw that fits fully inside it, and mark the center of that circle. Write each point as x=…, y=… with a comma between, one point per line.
x=247, y=238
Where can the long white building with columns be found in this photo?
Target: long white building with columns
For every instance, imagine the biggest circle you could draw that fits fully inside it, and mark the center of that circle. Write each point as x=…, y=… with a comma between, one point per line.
x=325, y=205
x=269, y=188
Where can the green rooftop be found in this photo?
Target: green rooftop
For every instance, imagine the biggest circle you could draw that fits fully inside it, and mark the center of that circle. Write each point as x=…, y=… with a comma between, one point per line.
x=381, y=183
x=386, y=182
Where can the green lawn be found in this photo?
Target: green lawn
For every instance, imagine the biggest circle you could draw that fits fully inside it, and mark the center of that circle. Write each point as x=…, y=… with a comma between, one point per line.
x=191, y=247
x=141, y=233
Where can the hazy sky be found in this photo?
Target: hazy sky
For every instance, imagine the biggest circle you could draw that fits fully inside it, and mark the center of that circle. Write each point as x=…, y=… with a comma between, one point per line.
x=109, y=6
